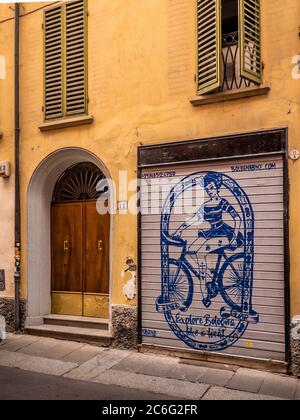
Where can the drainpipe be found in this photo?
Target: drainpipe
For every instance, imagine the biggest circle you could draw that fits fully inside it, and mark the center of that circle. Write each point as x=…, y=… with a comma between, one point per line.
x=17, y=274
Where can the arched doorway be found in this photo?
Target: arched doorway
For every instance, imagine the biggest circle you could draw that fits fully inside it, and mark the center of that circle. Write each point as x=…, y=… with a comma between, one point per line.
x=79, y=244
x=39, y=202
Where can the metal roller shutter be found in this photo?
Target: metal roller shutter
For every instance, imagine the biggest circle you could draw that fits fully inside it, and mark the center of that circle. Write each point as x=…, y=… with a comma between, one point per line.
x=212, y=257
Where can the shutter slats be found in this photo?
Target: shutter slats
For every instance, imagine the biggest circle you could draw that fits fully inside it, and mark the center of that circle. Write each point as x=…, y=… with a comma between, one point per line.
x=52, y=88
x=65, y=62
x=75, y=58
x=53, y=63
x=54, y=50
x=209, y=45
x=250, y=40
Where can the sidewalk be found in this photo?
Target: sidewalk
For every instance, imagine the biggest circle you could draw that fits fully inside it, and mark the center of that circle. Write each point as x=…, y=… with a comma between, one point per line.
x=151, y=373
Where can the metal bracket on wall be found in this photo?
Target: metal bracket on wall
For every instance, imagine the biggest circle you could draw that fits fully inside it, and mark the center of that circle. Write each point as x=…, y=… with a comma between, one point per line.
x=2, y=280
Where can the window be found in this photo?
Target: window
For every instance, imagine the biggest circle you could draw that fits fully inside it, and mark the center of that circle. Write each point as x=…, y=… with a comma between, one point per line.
x=230, y=13
x=65, y=60
x=229, y=45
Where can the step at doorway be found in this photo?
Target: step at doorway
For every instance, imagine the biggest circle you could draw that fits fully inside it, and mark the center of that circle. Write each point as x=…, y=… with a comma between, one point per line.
x=74, y=328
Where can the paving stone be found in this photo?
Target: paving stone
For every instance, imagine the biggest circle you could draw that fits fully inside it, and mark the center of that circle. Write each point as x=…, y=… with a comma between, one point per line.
x=100, y=363
x=222, y=394
x=51, y=348
x=18, y=342
x=63, y=349
x=86, y=371
x=165, y=367
x=35, y=364
x=170, y=387
x=171, y=368
x=83, y=354
x=279, y=386
x=247, y=380
x=37, y=348
x=174, y=371
x=135, y=362
x=216, y=377
x=206, y=364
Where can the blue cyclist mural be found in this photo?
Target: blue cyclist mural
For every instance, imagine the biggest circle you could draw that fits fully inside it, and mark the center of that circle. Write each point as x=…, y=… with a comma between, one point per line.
x=207, y=264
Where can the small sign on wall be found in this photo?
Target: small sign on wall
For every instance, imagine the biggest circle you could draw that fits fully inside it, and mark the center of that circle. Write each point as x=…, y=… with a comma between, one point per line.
x=2, y=280
x=4, y=169
x=122, y=205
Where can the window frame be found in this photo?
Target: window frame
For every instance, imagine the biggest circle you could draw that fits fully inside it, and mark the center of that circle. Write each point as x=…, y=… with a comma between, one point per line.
x=255, y=77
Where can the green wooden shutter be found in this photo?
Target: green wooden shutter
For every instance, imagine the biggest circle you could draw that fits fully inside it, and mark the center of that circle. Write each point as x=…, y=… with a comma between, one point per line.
x=53, y=21
x=209, y=75
x=250, y=40
x=75, y=77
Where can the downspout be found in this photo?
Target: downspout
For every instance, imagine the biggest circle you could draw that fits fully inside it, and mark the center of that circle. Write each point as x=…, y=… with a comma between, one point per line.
x=17, y=274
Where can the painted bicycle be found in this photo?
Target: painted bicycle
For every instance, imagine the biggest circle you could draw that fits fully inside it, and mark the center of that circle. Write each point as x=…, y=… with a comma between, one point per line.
x=227, y=278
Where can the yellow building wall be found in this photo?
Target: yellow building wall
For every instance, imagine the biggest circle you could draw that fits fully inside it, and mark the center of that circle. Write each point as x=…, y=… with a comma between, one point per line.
x=6, y=149
x=141, y=75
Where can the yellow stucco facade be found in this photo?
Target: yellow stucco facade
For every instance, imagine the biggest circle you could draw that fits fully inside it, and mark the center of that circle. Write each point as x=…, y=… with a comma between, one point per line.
x=141, y=67
x=7, y=149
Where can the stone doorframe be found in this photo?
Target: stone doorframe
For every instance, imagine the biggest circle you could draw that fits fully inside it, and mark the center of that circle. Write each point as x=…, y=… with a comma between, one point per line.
x=39, y=197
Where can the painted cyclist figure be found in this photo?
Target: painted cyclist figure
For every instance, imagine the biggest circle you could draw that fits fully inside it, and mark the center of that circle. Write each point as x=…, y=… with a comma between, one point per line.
x=218, y=237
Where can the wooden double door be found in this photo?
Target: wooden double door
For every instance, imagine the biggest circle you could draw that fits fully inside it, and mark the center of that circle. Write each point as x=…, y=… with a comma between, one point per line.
x=80, y=260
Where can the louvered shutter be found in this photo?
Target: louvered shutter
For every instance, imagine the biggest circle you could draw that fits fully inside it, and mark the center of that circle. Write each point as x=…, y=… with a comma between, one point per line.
x=75, y=79
x=209, y=45
x=250, y=40
x=53, y=23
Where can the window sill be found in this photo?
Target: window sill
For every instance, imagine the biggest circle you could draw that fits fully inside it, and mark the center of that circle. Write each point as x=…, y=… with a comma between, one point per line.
x=230, y=95
x=67, y=122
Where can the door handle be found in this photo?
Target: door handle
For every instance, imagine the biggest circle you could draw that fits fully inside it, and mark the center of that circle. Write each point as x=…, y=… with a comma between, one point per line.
x=100, y=245
x=66, y=252
x=66, y=246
